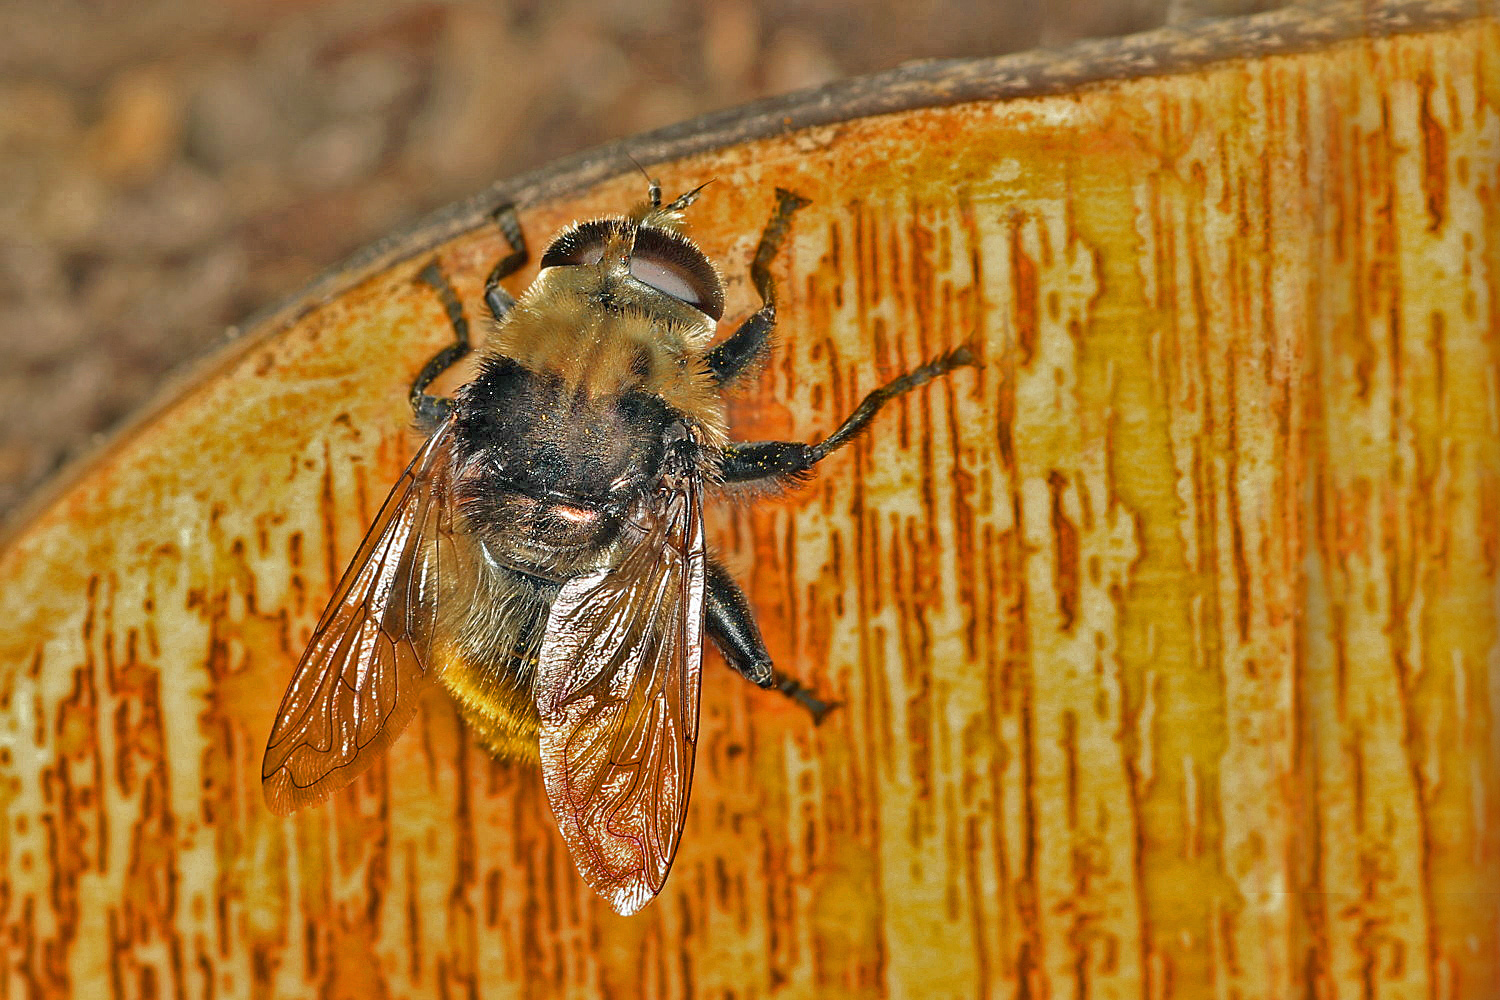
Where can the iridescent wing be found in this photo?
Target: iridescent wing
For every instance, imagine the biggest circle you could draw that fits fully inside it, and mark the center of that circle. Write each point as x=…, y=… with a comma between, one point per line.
x=617, y=693
x=357, y=685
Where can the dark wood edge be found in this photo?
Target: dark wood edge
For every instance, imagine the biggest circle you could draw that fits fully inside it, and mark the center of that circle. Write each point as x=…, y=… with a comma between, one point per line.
x=930, y=83
x=925, y=84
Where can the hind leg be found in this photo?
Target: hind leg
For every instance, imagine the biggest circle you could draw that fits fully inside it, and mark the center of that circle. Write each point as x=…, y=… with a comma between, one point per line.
x=731, y=625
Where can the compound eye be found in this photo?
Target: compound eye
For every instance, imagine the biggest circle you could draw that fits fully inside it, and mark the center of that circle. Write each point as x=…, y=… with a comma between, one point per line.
x=661, y=260
x=583, y=244
x=673, y=266
x=664, y=278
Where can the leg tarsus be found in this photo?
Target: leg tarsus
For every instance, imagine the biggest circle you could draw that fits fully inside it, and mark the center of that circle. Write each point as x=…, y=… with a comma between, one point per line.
x=789, y=462
x=432, y=410
x=803, y=696
x=871, y=404
x=788, y=203
x=499, y=301
x=731, y=625
x=752, y=340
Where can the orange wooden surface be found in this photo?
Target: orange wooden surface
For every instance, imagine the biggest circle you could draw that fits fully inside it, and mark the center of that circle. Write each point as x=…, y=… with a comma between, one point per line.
x=1169, y=642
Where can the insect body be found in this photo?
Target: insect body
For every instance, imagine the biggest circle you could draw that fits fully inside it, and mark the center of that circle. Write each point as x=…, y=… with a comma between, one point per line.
x=543, y=554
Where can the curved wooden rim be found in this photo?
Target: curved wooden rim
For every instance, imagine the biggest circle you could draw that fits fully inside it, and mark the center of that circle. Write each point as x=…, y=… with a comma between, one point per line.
x=926, y=84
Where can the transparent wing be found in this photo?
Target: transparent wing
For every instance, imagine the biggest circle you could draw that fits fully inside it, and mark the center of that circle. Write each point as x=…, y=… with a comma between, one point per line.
x=357, y=684
x=617, y=693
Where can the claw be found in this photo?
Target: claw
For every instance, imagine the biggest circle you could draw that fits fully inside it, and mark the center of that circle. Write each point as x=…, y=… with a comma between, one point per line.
x=803, y=696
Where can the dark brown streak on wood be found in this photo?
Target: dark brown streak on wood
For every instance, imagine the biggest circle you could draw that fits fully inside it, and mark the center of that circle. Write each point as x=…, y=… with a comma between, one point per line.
x=1203, y=392
x=1146, y=924
x=107, y=650
x=205, y=968
x=917, y=580
x=1356, y=752
x=460, y=910
x=116, y=950
x=1023, y=276
x=787, y=544
x=1079, y=935
x=866, y=285
x=877, y=700
x=150, y=988
x=924, y=535
x=1005, y=419
x=328, y=515
x=75, y=741
x=1068, y=745
x=261, y=968
x=1407, y=558
x=152, y=872
x=894, y=286
x=977, y=899
x=769, y=856
x=175, y=961
x=964, y=538
x=923, y=309
x=25, y=943
x=413, y=915
x=1018, y=687
x=529, y=917
x=296, y=582
x=1305, y=863
x=312, y=966
x=221, y=911
x=916, y=736
x=1242, y=593
x=378, y=861
x=1065, y=538
x=364, y=513
x=1309, y=926
x=834, y=262
x=1434, y=156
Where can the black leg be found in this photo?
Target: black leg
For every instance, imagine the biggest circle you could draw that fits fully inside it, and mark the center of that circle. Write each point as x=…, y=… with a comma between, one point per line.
x=498, y=299
x=803, y=696
x=753, y=339
x=730, y=623
x=790, y=462
x=432, y=410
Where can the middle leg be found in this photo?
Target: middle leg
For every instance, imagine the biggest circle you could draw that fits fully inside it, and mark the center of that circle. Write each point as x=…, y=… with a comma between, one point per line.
x=790, y=462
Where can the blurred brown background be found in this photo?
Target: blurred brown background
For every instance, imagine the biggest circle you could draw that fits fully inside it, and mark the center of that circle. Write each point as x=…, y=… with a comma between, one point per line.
x=168, y=166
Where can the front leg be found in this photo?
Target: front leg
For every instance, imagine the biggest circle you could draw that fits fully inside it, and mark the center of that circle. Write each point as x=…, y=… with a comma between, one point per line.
x=735, y=355
x=791, y=462
x=499, y=301
x=432, y=410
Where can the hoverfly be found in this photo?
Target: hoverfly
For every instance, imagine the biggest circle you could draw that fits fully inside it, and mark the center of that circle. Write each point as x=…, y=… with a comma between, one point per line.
x=543, y=554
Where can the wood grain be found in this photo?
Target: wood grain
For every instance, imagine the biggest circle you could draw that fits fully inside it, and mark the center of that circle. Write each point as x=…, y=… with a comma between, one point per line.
x=1168, y=642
